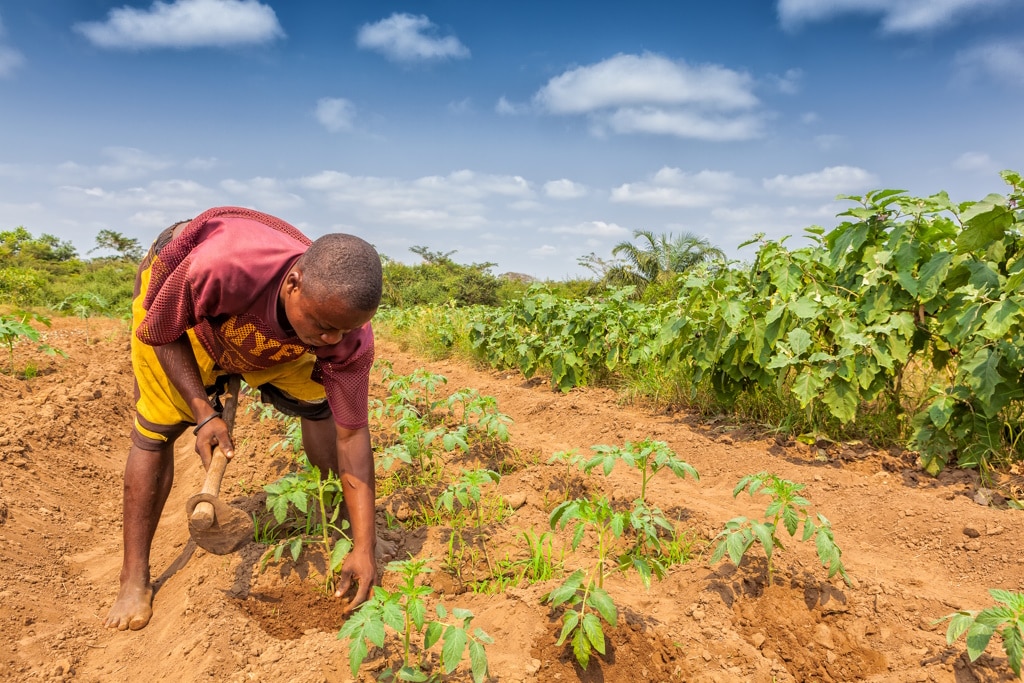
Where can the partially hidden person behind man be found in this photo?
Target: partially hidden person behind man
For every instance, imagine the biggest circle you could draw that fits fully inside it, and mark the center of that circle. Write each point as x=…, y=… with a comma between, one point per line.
x=242, y=292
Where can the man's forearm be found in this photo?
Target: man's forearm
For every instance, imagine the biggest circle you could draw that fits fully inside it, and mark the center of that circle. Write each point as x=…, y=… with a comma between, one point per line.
x=179, y=362
x=355, y=464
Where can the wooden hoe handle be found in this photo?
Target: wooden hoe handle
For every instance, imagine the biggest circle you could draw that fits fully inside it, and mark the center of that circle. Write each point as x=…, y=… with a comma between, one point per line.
x=203, y=516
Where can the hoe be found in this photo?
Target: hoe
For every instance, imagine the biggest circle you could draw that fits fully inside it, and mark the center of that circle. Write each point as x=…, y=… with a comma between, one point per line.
x=214, y=525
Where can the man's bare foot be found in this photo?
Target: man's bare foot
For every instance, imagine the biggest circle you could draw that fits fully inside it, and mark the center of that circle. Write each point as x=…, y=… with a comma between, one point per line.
x=132, y=609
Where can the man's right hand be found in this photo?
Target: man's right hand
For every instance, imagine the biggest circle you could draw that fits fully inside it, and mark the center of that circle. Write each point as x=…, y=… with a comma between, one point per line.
x=213, y=433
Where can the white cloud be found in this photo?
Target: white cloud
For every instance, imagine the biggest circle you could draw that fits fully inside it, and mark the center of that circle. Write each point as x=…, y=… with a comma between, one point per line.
x=125, y=163
x=202, y=163
x=458, y=201
x=826, y=182
x=647, y=79
x=975, y=161
x=10, y=59
x=682, y=123
x=185, y=24
x=267, y=194
x=593, y=229
x=507, y=108
x=335, y=113
x=1002, y=62
x=898, y=16
x=564, y=189
x=649, y=93
x=543, y=251
x=461, y=107
x=407, y=38
x=789, y=82
x=674, y=187
x=184, y=196
x=827, y=141
x=809, y=117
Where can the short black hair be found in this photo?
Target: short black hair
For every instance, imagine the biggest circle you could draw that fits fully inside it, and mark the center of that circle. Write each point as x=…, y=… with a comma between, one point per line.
x=343, y=265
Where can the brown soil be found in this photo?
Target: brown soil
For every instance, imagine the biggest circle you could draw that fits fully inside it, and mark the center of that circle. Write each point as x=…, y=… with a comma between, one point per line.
x=916, y=549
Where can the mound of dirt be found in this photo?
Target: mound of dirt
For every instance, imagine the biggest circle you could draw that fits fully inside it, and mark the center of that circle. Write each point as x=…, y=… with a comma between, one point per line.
x=916, y=548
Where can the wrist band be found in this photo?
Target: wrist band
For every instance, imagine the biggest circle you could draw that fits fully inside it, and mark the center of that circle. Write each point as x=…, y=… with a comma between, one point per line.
x=203, y=422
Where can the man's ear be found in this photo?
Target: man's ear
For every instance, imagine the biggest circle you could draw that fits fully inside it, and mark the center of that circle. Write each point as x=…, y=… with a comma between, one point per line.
x=293, y=281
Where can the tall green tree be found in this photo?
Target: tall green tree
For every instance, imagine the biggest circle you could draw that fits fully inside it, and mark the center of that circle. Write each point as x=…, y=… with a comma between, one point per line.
x=127, y=248
x=651, y=258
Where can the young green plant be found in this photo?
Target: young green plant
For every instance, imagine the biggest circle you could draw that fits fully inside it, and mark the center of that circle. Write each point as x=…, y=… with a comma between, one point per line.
x=788, y=507
x=582, y=595
x=314, y=504
x=404, y=611
x=1005, y=618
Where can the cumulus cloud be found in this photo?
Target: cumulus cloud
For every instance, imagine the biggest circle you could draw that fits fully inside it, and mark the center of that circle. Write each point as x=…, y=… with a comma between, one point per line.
x=409, y=38
x=461, y=107
x=507, y=108
x=185, y=24
x=457, y=201
x=674, y=187
x=1002, y=62
x=826, y=182
x=898, y=16
x=649, y=93
x=592, y=229
x=827, y=141
x=681, y=123
x=123, y=163
x=564, y=189
x=646, y=79
x=543, y=251
x=268, y=193
x=335, y=113
x=10, y=59
x=184, y=197
x=975, y=161
x=789, y=82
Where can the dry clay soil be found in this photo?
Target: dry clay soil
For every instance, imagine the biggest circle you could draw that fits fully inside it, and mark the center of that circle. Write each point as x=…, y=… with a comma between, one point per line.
x=916, y=548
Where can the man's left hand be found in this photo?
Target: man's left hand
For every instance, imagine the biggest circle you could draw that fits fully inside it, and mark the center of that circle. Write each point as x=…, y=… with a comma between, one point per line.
x=361, y=567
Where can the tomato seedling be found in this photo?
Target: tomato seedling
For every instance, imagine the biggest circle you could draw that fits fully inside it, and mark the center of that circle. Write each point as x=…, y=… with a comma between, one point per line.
x=786, y=506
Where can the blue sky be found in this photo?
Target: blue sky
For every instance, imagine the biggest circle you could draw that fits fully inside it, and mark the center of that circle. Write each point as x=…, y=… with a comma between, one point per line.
x=525, y=134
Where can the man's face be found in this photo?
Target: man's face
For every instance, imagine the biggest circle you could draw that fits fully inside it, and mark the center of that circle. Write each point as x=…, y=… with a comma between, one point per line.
x=320, y=321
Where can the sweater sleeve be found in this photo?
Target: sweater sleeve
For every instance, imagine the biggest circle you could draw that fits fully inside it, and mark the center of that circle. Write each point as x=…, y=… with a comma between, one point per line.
x=345, y=374
x=171, y=307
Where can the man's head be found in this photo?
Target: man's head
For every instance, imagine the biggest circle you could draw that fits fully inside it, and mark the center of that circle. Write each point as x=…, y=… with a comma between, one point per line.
x=333, y=288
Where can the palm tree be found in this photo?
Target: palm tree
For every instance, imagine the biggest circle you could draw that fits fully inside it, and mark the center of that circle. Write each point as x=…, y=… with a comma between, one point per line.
x=659, y=256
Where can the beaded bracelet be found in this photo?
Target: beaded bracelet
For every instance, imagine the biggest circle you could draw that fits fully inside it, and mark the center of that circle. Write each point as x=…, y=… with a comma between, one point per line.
x=203, y=422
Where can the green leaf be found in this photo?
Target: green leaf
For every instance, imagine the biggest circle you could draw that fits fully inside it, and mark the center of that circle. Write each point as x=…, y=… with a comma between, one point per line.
x=842, y=399
x=570, y=620
x=602, y=602
x=932, y=275
x=999, y=318
x=765, y=534
x=477, y=661
x=959, y=622
x=567, y=590
x=978, y=636
x=806, y=386
x=433, y=634
x=982, y=370
x=1013, y=645
x=581, y=648
x=451, y=651
x=737, y=544
x=805, y=308
x=593, y=631
x=799, y=340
